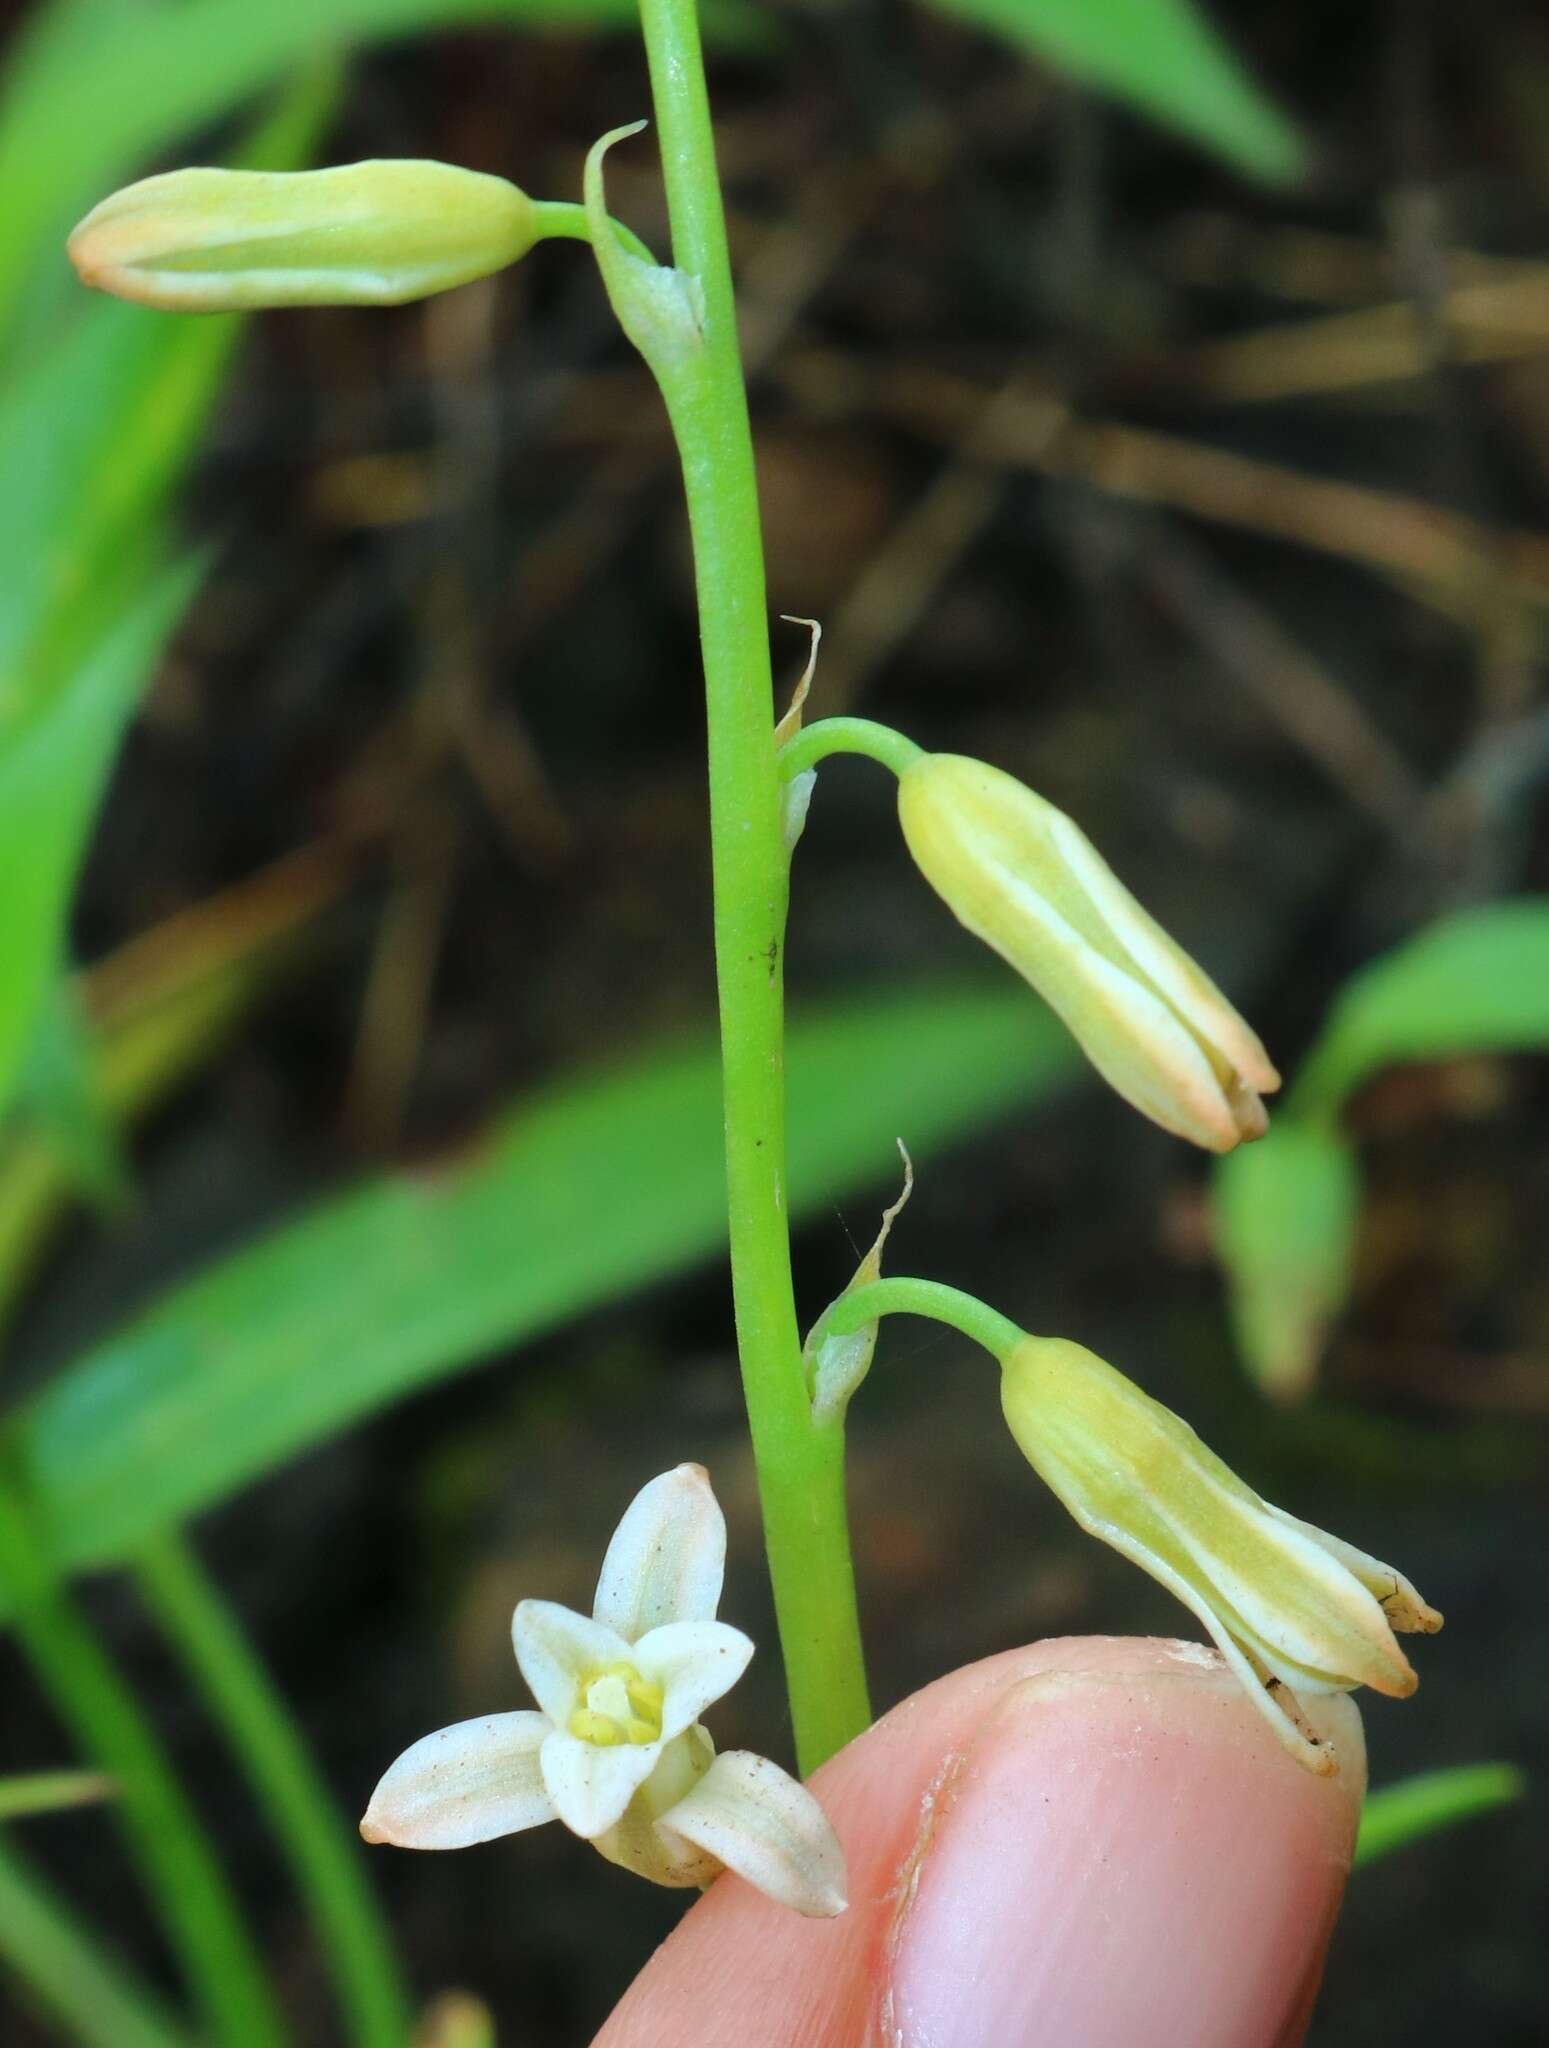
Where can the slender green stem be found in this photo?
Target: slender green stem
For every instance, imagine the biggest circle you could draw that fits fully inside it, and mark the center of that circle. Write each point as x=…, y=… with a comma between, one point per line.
x=92, y=1995
x=326, y=1861
x=816, y=742
x=800, y=1466
x=932, y=1298
x=52, y=1792
x=196, y=1907
x=1416, y=1807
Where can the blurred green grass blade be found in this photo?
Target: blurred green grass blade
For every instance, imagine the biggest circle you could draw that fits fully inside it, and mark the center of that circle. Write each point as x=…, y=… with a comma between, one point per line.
x=1162, y=57
x=81, y=113
x=132, y=1066
x=51, y=1792
x=1417, y=1807
x=268, y=1748
x=1477, y=982
x=90, y=1995
x=161, y=1006
x=96, y=432
x=92, y=443
x=1285, y=1211
x=91, y=440
x=602, y=1185
x=52, y=771
x=59, y=1095
x=91, y=1696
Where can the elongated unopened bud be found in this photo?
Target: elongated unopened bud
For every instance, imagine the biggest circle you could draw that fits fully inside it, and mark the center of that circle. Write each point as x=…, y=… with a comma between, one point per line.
x=371, y=234
x=1291, y=1608
x=1027, y=880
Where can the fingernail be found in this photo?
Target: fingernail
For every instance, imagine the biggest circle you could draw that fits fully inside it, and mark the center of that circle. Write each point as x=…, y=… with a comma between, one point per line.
x=1122, y=1857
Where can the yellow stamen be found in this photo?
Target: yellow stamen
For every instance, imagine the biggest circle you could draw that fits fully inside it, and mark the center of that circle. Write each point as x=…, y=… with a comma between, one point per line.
x=617, y=1705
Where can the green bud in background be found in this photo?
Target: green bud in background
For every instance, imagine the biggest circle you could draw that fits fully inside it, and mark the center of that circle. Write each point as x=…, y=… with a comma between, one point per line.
x=1285, y=1222
x=1027, y=880
x=371, y=234
x=1290, y=1608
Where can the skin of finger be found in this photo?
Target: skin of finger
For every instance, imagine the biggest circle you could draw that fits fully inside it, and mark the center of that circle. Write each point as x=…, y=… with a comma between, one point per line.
x=1050, y=1774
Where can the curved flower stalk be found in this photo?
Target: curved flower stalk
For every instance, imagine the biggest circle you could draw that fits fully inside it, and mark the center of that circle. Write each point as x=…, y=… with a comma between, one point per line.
x=1292, y=1609
x=616, y=1751
x=1026, y=879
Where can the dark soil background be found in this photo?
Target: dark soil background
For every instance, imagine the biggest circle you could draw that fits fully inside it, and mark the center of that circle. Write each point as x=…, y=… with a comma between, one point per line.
x=1048, y=410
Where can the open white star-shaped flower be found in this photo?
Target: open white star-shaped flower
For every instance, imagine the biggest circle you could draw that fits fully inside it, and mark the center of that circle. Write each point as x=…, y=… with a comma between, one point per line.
x=617, y=1752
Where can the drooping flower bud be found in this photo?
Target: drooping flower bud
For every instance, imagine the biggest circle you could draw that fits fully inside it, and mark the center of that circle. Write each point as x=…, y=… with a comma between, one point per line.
x=371, y=234
x=1025, y=879
x=1291, y=1608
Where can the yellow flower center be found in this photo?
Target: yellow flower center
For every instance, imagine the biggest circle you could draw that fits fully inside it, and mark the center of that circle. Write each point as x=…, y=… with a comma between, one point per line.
x=617, y=1705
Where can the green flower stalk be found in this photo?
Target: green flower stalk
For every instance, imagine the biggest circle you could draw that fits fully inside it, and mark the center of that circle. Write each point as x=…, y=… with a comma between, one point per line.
x=1027, y=880
x=614, y=1749
x=371, y=234
x=1292, y=1609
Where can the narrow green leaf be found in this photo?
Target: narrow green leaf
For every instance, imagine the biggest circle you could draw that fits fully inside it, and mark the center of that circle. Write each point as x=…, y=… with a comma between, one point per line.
x=95, y=433
x=272, y=1754
x=1162, y=57
x=92, y=1995
x=59, y=1095
x=92, y=442
x=51, y=1792
x=91, y=439
x=1285, y=1213
x=82, y=113
x=600, y=1186
x=132, y=1066
x=1407, y=1812
x=161, y=1830
x=52, y=770
x=1474, y=983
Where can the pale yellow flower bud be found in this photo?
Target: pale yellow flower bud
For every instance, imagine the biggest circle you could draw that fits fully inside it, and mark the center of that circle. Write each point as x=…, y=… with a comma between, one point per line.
x=372, y=234
x=1025, y=879
x=1291, y=1608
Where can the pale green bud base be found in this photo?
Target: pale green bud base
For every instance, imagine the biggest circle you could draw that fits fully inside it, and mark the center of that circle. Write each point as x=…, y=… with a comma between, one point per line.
x=372, y=234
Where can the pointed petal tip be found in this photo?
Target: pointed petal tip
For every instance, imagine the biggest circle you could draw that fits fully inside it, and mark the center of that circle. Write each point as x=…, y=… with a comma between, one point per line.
x=1247, y=1111
x=666, y=1559
x=372, y=1830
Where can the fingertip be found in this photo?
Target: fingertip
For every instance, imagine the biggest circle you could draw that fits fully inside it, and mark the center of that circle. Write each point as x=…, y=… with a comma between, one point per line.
x=1124, y=1855
x=1090, y=1841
